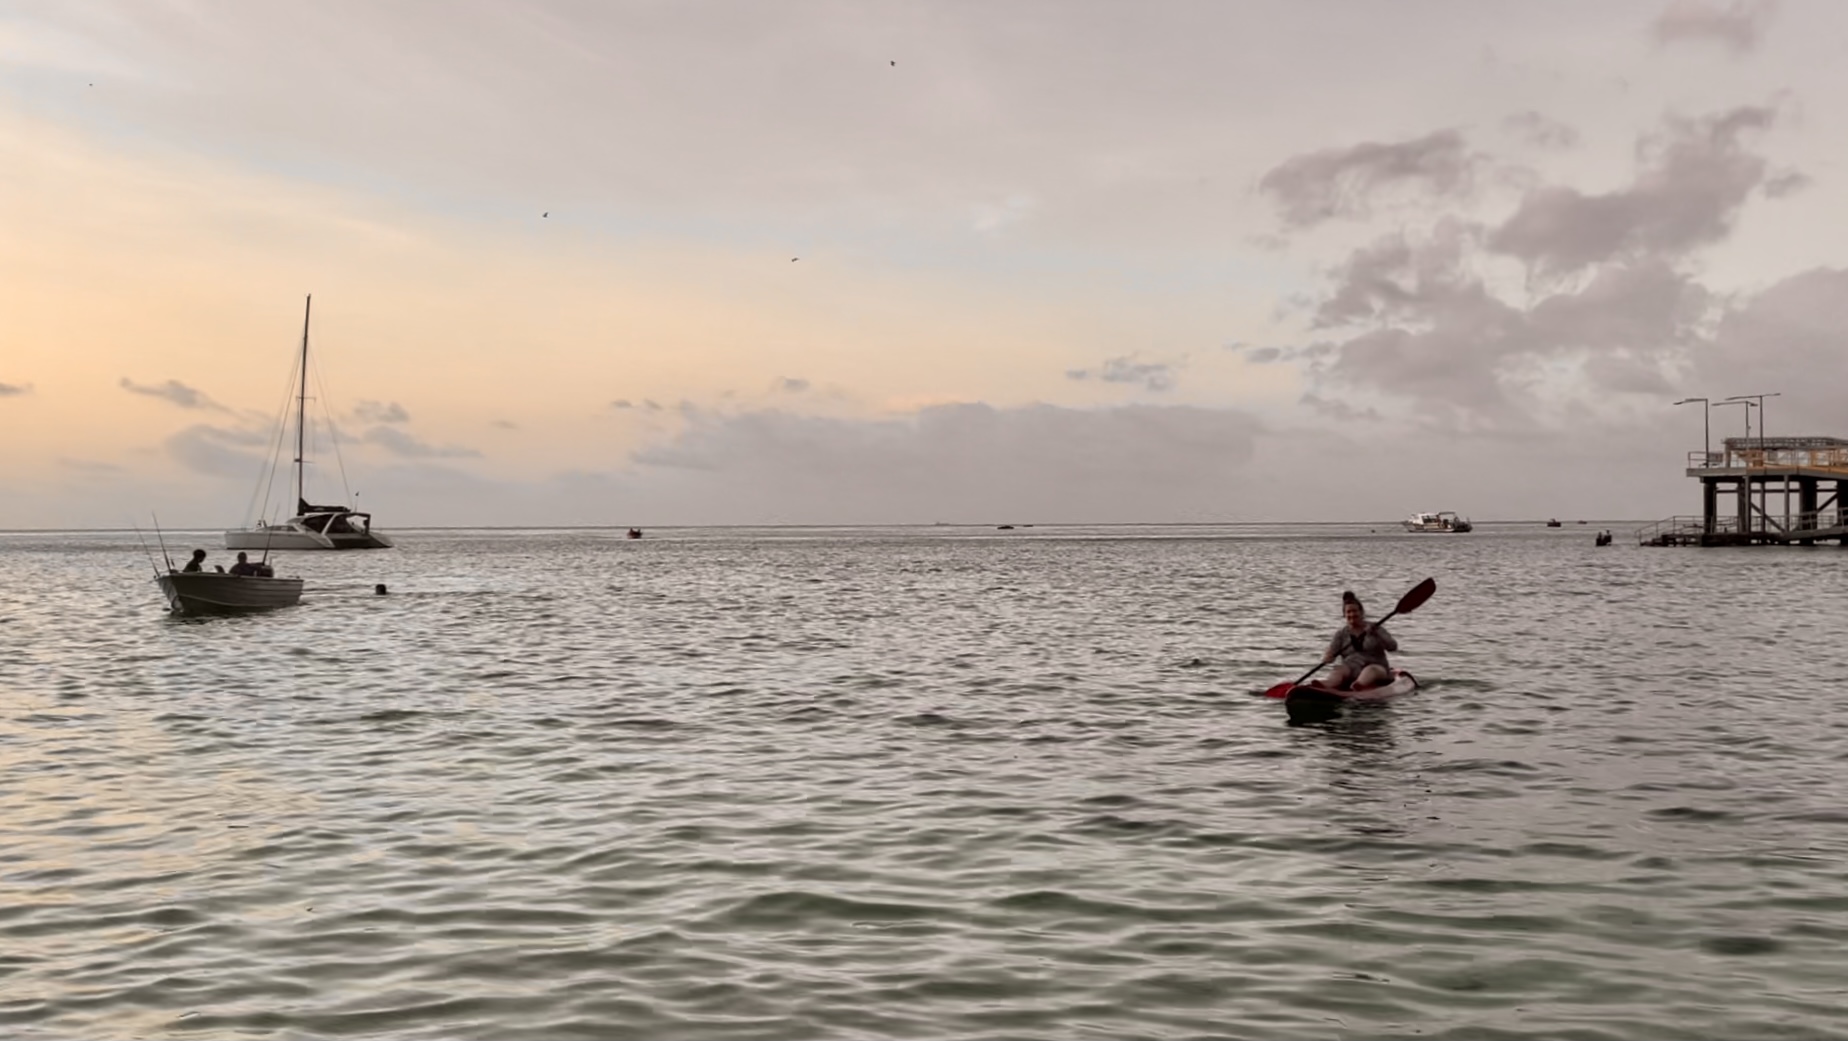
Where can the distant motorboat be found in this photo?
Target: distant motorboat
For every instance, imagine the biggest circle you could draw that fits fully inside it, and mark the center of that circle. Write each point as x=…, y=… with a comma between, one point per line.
x=1554, y=523
x=1603, y=538
x=216, y=592
x=635, y=533
x=1443, y=521
x=312, y=527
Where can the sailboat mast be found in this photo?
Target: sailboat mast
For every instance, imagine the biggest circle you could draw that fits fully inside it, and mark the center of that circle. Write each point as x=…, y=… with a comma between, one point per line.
x=301, y=409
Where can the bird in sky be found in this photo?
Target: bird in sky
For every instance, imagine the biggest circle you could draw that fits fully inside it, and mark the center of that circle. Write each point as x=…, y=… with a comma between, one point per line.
x=792, y=260
x=547, y=213
x=895, y=65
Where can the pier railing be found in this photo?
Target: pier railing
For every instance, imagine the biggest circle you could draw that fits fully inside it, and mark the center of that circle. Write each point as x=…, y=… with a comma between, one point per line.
x=1692, y=530
x=1684, y=531
x=1776, y=453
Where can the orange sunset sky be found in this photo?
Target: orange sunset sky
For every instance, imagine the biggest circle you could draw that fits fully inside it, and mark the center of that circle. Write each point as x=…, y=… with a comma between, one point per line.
x=899, y=263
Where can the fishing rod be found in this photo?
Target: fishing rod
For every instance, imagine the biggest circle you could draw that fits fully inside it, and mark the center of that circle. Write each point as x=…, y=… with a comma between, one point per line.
x=163, y=541
x=144, y=547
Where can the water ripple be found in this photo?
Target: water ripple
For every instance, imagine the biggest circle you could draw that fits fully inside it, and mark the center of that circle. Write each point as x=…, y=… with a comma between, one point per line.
x=922, y=783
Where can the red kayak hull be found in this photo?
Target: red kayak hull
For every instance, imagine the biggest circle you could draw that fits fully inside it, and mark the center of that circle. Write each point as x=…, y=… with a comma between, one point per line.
x=1309, y=702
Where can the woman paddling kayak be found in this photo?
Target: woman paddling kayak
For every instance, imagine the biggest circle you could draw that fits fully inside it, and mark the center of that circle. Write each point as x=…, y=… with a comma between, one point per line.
x=1361, y=647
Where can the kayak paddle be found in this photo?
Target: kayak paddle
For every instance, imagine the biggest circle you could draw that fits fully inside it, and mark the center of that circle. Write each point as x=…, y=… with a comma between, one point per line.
x=1408, y=603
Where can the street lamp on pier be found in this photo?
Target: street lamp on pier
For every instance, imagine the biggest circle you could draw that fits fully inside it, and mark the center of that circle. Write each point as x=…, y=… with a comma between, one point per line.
x=1748, y=417
x=1760, y=399
x=1706, y=428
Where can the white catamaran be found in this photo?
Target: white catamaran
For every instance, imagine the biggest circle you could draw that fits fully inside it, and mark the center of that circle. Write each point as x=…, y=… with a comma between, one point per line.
x=312, y=527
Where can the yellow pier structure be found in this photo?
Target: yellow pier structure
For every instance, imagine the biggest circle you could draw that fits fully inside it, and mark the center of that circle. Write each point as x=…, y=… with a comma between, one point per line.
x=1764, y=491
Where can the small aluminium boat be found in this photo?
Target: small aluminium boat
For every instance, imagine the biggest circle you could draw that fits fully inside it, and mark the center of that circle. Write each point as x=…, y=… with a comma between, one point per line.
x=1311, y=703
x=216, y=592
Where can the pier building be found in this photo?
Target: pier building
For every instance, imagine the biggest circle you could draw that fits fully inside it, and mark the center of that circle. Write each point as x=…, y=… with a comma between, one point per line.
x=1760, y=491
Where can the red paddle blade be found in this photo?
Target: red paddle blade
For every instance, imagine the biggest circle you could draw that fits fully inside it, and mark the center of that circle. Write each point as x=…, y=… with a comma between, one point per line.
x=1415, y=598
x=1281, y=690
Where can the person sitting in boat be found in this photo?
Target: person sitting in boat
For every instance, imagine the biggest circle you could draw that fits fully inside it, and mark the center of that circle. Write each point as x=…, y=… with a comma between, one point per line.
x=197, y=563
x=244, y=566
x=1361, y=647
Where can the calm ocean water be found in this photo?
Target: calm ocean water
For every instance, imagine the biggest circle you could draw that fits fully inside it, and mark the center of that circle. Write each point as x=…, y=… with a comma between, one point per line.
x=925, y=783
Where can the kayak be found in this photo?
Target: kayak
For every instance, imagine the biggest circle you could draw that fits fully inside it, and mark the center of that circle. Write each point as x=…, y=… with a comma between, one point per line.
x=1311, y=702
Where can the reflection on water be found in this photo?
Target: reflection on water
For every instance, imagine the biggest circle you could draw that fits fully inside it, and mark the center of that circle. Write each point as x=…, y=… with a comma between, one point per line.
x=1358, y=749
x=922, y=783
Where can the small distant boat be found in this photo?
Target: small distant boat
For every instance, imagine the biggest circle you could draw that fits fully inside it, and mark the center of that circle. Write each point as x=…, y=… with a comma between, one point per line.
x=1442, y=521
x=1004, y=527
x=635, y=533
x=1554, y=523
x=215, y=592
x=312, y=527
x=1603, y=538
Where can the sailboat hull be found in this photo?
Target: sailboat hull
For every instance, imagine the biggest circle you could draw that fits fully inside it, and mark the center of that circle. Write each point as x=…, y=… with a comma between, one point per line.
x=294, y=535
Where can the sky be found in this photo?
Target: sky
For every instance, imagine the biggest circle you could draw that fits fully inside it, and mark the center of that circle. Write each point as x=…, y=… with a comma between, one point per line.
x=650, y=263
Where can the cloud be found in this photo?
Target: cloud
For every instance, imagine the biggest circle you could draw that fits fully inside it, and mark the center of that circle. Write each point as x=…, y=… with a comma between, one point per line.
x=399, y=443
x=1539, y=130
x=793, y=386
x=375, y=412
x=991, y=218
x=13, y=390
x=217, y=451
x=1693, y=181
x=1422, y=324
x=1792, y=339
x=1038, y=460
x=1737, y=27
x=1338, y=410
x=176, y=392
x=1155, y=376
x=1345, y=182
x=87, y=466
x=1397, y=278
x=1786, y=183
x=1430, y=331
x=1642, y=330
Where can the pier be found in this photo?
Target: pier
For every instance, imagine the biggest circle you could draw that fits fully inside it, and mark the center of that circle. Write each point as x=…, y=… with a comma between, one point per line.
x=1764, y=491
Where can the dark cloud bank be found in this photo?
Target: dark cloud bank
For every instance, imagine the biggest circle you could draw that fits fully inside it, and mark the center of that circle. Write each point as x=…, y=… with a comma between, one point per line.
x=1611, y=306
